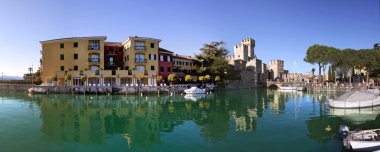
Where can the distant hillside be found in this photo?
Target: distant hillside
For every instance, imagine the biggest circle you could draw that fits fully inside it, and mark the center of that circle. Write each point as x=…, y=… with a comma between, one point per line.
x=6, y=77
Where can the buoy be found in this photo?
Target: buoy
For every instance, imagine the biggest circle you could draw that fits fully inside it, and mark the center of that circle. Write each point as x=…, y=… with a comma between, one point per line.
x=328, y=128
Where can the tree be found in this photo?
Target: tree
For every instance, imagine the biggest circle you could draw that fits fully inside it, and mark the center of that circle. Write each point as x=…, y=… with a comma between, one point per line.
x=159, y=78
x=217, y=78
x=213, y=59
x=318, y=54
x=172, y=78
x=68, y=77
x=201, y=78
x=207, y=77
x=188, y=78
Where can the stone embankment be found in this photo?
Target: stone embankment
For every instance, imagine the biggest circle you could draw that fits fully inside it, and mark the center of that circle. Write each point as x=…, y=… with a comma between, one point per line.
x=176, y=89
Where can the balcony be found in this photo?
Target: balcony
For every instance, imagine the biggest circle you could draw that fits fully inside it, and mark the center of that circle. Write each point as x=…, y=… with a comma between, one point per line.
x=139, y=60
x=94, y=60
x=111, y=54
x=140, y=47
x=94, y=47
x=111, y=64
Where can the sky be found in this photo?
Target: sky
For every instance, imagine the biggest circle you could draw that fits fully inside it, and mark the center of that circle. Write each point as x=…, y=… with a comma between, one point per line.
x=282, y=29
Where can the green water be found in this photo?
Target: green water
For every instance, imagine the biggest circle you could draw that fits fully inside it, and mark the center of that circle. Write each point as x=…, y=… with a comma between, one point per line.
x=247, y=120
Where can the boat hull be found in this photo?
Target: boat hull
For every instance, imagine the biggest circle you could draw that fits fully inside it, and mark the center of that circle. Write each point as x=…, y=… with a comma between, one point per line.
x=365, y=145
x=358, y=104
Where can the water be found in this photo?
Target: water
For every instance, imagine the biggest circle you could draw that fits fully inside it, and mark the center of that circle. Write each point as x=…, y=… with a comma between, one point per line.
x=246, y=120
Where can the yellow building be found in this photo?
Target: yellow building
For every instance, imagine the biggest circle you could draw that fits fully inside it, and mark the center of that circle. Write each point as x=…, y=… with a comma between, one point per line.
x=141, y=60
x=183, y=65
x=80, y=61
x=74, y=56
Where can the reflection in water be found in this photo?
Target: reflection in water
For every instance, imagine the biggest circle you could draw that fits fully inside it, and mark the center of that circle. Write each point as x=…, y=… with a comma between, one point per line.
x=357, y=116
x=143, y=122
x=140, y=120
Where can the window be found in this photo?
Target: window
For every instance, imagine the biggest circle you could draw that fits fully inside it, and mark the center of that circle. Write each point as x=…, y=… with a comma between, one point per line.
x=161, y=58
x=127, y=68
x=187, y=63
x=168, y=58
x=140, y=67
x=169, y=69
x=140, y=58
x=94, y=68
x=152, y=68
x=154, y=56
x=75, y=56
x=162, y=69
x=165, y=58
x=75, y=68
x=75, y=44
x=61, y=45
x=62, y=57
x=151, y=56
x=62, y=68
x=151, y=45
x=94, y=45
x=127, y=57
x=140, y=45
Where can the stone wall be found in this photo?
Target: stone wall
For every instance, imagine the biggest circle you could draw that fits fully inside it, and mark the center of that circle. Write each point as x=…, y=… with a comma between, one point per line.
x=16, y=87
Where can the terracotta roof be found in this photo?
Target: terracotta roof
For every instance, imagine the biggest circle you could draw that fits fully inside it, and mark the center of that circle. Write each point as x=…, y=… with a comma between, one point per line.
x=183, y=57
x=164, y=50
x=74, y=38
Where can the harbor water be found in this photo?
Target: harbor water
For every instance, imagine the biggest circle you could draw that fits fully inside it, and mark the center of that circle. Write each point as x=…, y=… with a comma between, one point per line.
x=243, y=120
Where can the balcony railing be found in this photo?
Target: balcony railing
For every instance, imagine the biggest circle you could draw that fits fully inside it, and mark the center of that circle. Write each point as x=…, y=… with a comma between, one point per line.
x=111, y=54
x=94, y=60
x=94, y=47
x=111, y=64
x=139, y=60
x=140, y=47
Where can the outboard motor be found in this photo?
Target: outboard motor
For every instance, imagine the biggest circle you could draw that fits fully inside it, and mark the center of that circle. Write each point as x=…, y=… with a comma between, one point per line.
x=343, y=132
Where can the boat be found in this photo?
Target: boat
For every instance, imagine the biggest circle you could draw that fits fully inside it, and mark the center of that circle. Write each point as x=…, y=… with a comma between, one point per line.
x=355, y=99
x=360, y=140
x=288, y=87
x=37, y=90
x=301, y=88
x=195, y=90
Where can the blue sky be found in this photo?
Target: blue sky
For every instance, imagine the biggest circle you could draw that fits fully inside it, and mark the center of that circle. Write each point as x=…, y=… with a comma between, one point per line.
x=283, y=29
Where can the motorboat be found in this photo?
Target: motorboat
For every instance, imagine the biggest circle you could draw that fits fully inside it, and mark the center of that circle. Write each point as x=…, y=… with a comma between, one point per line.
x=288, y=87
x=301, y=88
x=37, y=90
x=360, y=140
x=195, y=90
x=355, y=99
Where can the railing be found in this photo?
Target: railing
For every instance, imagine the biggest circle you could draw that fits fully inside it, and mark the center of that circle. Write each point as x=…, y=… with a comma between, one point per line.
x=139, y=60
x=94, y=47
x=94, y=60
x=111, y=54
x=111, y=64
x=140, y=47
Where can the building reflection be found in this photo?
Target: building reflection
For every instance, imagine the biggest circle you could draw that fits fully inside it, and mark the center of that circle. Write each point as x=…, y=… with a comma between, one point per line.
x=141, y=121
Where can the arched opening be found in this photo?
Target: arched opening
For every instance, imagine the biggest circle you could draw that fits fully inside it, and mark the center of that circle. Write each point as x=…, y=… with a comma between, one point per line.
x=273, y=87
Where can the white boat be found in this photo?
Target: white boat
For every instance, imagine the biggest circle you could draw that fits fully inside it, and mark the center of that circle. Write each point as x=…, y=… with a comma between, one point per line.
x=195, y=90
x=355, y=99
x=364, y=140
x=37, y=90
x=301, y=88
x=288, y=87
